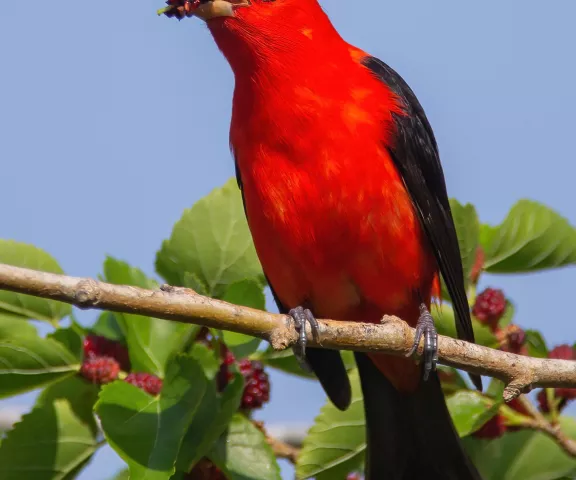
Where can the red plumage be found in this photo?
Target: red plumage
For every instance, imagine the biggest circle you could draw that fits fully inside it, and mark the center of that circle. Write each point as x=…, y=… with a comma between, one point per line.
x=316, y=138
x=332, y=222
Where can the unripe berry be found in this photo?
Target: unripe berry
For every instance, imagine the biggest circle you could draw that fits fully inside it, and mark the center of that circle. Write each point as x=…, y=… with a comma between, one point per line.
x=512, y=339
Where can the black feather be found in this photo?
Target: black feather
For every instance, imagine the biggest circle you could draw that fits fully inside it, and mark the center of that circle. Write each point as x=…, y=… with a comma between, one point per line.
x=415, y=154
x=409, y=436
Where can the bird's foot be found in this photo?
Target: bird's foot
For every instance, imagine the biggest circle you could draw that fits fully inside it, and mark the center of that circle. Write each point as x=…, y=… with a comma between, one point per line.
x=302, y=316
x=425, y=328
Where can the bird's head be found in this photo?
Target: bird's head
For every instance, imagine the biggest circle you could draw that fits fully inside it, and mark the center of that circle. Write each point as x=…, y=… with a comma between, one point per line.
x=251, y=32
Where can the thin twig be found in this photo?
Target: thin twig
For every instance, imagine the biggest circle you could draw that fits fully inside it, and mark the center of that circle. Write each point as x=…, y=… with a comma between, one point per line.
x=539, y=422
x=555, y=432
x=393, y=336
x=283, y=450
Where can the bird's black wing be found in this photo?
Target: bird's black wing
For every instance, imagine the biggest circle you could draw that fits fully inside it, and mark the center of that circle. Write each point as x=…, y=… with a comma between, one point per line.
x=415, y=154
x=327, y=365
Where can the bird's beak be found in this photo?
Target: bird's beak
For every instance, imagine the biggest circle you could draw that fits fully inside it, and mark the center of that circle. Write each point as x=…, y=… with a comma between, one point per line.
x=219, y=8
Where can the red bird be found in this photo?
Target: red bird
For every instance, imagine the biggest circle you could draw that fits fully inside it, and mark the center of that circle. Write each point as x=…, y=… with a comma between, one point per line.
x=346, y=201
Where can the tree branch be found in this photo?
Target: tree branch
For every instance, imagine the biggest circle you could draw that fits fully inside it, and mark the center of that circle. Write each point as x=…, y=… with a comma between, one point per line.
x=393, y=336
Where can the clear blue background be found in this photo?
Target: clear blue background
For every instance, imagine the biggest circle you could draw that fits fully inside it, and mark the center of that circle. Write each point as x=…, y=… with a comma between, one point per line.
x=112, y=121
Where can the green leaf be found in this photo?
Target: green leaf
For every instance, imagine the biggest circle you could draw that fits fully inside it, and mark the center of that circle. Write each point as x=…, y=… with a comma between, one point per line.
x=15, y=325
x=532, y=237
x=470, y=410
x=151, y=341
x=122, y=475
x=241, y=345
x=49, y=443
x=28, y=362
x=508, y=315
x=336, y=440
x=80, y=394
x=212, y=244
x=108, y=326
x=70, y=338
x=29, y=256
x=446, y=325
x=495, y=389
x=248, y=293
x=536, y=344
x=213, y=414
x=243, y=453
x=523, y=455
x=341, y=472
x=468, y=231
x=147, y=431
x=192, y=281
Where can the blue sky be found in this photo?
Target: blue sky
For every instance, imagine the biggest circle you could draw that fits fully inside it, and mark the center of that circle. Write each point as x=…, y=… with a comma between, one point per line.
x=114, y=120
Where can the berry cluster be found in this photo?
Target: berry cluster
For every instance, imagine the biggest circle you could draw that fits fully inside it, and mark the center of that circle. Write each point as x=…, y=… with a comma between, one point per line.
x=489, y=308
x=257, y=385
x=512, y=339
x=105, y=358
x=561, y=395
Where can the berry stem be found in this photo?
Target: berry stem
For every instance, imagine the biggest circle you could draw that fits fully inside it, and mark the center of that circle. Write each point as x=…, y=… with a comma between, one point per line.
x=513, y=418
x=552, y=405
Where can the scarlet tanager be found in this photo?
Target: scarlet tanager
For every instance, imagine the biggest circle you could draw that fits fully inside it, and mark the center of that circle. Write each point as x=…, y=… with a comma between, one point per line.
x=346, y=202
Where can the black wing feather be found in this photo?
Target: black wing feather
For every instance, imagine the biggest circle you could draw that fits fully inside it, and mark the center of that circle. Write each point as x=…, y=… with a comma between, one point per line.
x=416, y=156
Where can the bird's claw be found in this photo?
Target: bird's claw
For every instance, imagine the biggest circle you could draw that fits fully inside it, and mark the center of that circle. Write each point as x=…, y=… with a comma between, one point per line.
x=302, y=316
x=425, y=328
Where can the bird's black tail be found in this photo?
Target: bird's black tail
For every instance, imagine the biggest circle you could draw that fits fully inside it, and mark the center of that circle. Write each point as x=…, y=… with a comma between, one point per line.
x=410, y=436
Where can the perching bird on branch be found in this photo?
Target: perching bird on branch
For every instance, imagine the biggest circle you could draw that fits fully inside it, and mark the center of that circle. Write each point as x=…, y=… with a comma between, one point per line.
x=346, y=201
